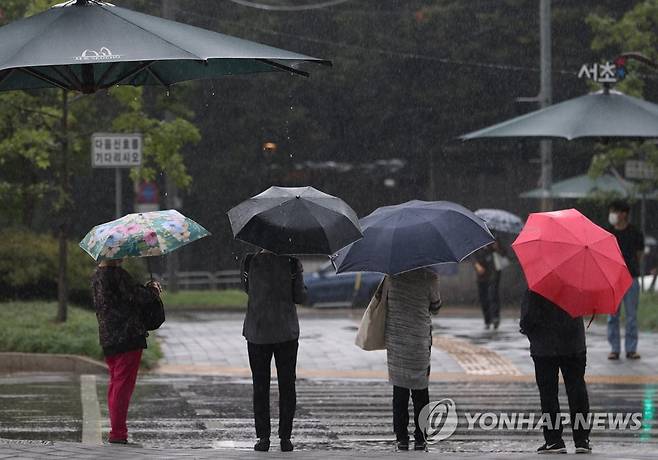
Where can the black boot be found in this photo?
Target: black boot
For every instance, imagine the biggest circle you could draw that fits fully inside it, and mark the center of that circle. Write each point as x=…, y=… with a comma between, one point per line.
x=263, y=445
x=286, y=445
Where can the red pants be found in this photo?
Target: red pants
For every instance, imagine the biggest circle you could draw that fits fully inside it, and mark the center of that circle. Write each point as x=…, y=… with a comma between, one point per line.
x=123, y=375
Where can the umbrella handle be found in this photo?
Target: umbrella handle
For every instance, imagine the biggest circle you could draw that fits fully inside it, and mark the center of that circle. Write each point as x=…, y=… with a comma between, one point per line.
x=590, y=320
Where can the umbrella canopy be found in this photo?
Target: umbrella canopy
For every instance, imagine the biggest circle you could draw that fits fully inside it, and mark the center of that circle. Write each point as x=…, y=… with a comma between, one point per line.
x=141, y=235
x=87, y=45
x=583, y=186
x=412, y=235
x=295, y=220
x=500, y=220
x=604, y=114
x=572, y=262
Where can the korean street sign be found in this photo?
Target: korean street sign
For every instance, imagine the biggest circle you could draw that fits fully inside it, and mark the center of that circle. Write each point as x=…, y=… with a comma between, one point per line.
x=608, y=72
x=638, y=169
x=116, y=150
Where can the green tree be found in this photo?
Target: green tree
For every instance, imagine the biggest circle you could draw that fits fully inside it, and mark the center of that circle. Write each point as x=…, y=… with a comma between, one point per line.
x=43, y=134
x=636, y=30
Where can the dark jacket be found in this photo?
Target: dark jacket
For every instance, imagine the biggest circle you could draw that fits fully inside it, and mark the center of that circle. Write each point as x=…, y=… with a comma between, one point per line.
x=118, y=300
x=274, y=284
x=550, y=329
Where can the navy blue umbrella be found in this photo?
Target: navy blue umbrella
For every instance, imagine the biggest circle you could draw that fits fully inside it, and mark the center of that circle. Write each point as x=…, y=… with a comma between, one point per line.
x=412, y=235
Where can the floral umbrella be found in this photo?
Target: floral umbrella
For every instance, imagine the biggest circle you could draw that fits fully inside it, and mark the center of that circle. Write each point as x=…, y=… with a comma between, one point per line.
x=141, y=235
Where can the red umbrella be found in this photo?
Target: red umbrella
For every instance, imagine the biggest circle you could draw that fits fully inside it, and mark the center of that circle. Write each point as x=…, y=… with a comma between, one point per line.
x=572, y=262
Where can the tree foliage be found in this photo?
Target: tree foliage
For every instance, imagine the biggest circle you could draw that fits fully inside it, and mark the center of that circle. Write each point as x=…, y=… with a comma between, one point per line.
x=636, y=30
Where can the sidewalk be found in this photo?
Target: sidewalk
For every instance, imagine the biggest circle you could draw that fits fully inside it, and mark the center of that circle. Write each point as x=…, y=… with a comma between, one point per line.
x=212, y=344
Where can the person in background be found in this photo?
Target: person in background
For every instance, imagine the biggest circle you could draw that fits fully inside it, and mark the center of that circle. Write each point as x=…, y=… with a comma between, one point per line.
x=631, y=243
x=557, y=344
x=119, y=301
x=488, y=269
x=274, y=284
x=412, y=297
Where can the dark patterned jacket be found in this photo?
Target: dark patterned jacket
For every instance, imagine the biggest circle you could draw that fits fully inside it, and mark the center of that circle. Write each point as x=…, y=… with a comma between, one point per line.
x=118, y=300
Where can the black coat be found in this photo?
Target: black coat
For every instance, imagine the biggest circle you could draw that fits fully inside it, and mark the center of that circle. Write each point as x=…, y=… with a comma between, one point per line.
x=274, y=284
x=119, y=300
x=550, y=329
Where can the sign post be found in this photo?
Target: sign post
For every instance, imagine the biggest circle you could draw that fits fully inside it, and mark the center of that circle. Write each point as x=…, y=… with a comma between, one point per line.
x=116, y=151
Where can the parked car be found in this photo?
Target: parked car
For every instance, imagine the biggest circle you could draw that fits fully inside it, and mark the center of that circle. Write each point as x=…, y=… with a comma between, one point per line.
x=326, y=288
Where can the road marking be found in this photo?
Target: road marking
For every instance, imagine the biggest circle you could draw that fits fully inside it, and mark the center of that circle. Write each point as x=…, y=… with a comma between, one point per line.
x=91, y=411
x=474, y=359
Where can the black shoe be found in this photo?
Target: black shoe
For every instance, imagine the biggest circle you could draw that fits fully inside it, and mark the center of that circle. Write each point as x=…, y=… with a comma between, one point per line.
x=286, y=445
x=613, y=356
x=632, y=355
x=263, y=445
x=402, y=445
x=487, y=326
x=496, y=323
x=420, y=445
x=583, y=447
x=554, y=448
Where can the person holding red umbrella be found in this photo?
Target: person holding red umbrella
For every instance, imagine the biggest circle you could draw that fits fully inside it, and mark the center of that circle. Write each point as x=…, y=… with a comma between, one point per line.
x=573, y=268
x=557, y=343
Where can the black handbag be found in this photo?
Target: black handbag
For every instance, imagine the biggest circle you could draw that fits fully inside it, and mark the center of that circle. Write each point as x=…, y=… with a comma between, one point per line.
x=153, y=315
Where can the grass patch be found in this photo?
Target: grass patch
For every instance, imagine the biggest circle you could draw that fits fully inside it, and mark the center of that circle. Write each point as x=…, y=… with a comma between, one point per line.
x=28, y=327
x=648, y=314
x=229, y=299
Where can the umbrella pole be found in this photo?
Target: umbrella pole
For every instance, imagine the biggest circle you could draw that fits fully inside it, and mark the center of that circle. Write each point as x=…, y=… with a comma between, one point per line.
x=148, y=265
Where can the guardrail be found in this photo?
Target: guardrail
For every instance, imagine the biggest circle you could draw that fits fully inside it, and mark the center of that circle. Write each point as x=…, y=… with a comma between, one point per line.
x=223, y=279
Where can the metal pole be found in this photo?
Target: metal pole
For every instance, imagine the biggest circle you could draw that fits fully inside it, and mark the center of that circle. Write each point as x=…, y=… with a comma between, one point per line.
x=64, y=216
x=545, y=99
x=643, y=228
x=117, y=192
x=170, y=186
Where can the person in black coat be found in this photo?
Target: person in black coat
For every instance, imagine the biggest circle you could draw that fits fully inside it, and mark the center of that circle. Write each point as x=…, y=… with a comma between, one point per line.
x=275, y=285
x=557, y=344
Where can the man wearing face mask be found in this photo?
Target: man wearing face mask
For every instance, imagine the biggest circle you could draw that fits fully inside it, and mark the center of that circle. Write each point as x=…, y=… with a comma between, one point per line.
x=631, y=243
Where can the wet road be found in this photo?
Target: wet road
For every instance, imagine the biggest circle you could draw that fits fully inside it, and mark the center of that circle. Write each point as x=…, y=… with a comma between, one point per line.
x=215, y=413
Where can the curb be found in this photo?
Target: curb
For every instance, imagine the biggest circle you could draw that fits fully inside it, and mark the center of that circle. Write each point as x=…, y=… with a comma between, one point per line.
x=11, y=362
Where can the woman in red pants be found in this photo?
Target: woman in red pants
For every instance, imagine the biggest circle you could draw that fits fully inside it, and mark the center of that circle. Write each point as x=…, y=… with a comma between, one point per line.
x=119, y=301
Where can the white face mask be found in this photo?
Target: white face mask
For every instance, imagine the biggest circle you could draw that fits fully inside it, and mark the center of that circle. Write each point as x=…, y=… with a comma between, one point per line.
x=613, y=218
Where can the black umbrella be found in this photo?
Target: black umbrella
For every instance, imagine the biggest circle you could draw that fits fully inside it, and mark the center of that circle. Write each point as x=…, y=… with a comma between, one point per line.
x=412, y=235
x=87, y=45
x=604, y=114
x=295, y=220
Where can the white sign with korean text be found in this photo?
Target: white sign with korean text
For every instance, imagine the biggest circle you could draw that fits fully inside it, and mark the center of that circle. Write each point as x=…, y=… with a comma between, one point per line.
x=637, y=169
x=116, y=150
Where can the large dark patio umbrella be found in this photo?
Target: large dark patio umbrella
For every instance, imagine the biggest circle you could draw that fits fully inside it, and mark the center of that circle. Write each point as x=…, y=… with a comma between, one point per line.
x=87, y=45
x=604, y=114
x=295, y=220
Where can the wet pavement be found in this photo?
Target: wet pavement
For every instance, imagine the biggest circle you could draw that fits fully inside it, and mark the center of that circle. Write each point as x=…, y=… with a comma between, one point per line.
x=211, y=343
x=214, y=413
x=199, y=403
